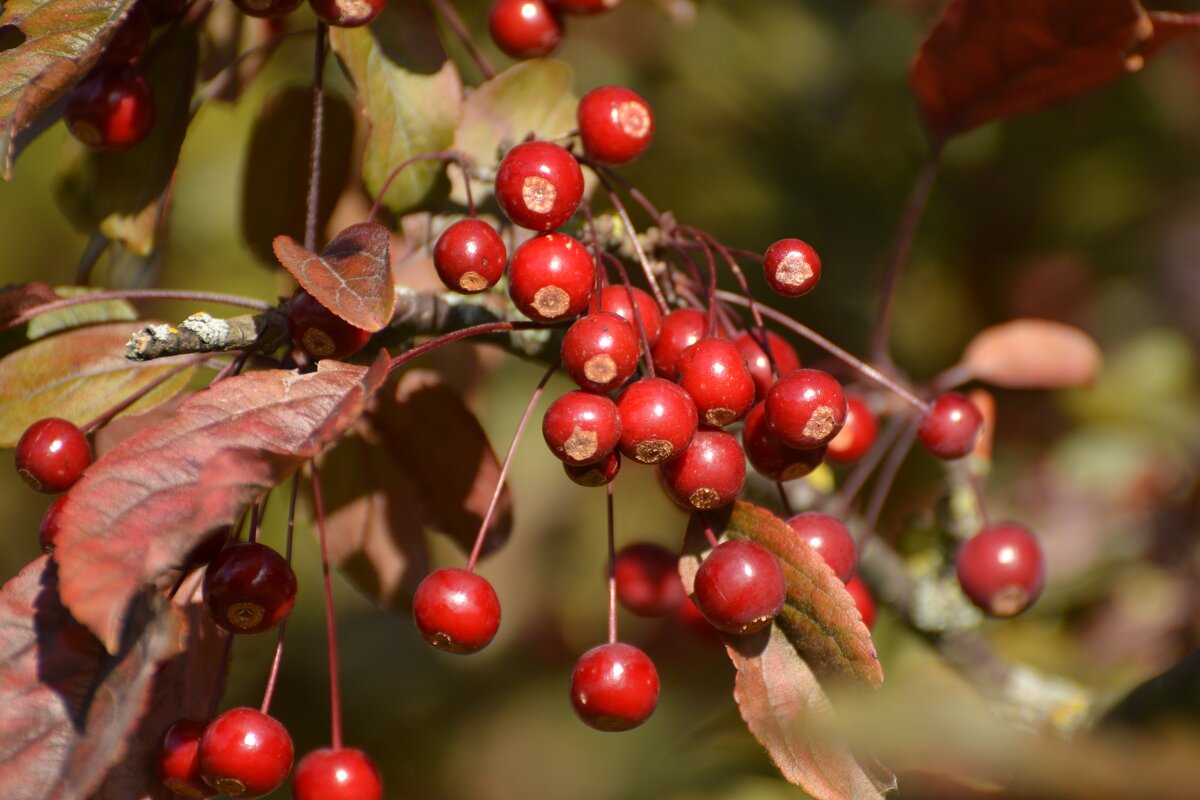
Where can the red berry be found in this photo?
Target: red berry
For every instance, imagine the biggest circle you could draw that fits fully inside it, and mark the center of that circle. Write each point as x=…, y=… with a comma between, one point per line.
x=249, y=588
x=740, y=587
x=714, y=373
x=130, y=38
x=584, y=7
x=525, y=28
x=581, y=428
x=112, y=109
x=164, y=11
x=770, y=457
x=269, y=9
x=647, y=578
x=601, y=473
x=709, y=474
x=52, y=454
x=792, y=267
x=862, y=600
x=829, y=537
x=539, y=185
x=48, y=532
x=552, y=278
x=615, y=125
x=857, y=434
x=456, y=611
x=614, y=687
x=326, y=774
x=689, y=616
x=951, y=426
x=759, y=365
x=1002, y=569
x=245, y=753
x=616, y=300
x=470, y=256
x=681, y=329
x=806, y=408
x=319, y=332
x=346, y=13
x=179, y=760
x=600, y=352
x=658, y=420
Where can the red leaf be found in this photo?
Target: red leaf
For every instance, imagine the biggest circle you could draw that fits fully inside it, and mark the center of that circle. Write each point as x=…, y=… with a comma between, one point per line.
x=352, y=277
x=1032, y=354
x=142, y=508
x=69, y=707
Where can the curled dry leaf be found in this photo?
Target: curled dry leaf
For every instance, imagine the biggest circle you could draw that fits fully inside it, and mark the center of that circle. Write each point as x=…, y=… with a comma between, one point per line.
x=1032, y=354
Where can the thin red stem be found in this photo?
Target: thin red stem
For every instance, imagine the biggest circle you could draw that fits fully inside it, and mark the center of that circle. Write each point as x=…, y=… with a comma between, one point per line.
x=335, y=693
x=631, y=234
x=214, y=695
x=136, y=294
x=277, y=661
x=105, y=416
x=445, y=156
x=463, y=333
x=612, y=568
x=784, y=500
x=647, y=360
x=887, y=476
x=455, y=23
x=312, y=204
x=863, y=469
x=709, y=534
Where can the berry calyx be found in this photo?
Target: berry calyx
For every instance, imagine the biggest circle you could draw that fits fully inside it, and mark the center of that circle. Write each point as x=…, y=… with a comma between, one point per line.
x=539, y=185
x=740, y=587
x=346, y=13
x=616, y=299
x=806, y=408
x=456, y=611
x=770, y=457
x=862, y=600
x=759, y=365
x=525, y=28
x=614, y=687
x=829, y=537
x=585, y=8
x=551, y=278
x=581, y=428
x=179, y=759
x=709, y=474
x=714, y=373
x=269, y=9
x=658, y=420
x=857, y=434
x=112, y=109
x=791, y=267
x=681, y=329
x=245, y=753
x=470, y=256
x=616, y=125
x=319, y=332
x=52, y=454
x=347, y=774
x=130, y=38
x=600, y=352
x=647, y=577
x=249, y=588
x=1002, y=569
x=593, y=476
x=951, y=427
x=48, y=531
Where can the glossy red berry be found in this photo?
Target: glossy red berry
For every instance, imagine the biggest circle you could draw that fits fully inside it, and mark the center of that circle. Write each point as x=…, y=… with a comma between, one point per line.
x=616, y=299
x=48, y=531
x=249, y=588
x=470, y=256
x=951, y=426
x=112, y=109
x=1002, y=569
x=539, y=185
x=714, y=373
x=52, y=454
x=658, y=420
x=615, y=125
x=456, y=611
x=551, y=278
x=806, y=408
x=709, y=474
x=346, y=13
x=179, y=759
x=829, y=537
x=770, y=457
x=319, y=332
x=269, y=9
x=601, y=473
x=857, y=434
x=600, y=352
x=581, y=428
x=792, y=267
x=862, y=600
x=525, y=28
x=245, y=753
x=759, y=365
x=163, y=11
x=740, y=587
x=614, y=687
x=584, y=7
x=130, y=38
x=681, y=329
x=347, y=774
x=647, y=577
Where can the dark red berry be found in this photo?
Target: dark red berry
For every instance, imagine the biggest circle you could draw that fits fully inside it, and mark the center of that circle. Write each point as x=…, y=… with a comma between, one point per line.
x=600, y=352
x=539, y=185
x=709, y=474
x=759, y=365
x=862, y=600
x=112, y=109
x=208, y=549
x=525, y=28
x=614, y=687
x=130, y=38
x=52, y=454
x=770, y=457
x=456, y=611
x=740, y=587
x=245, y=753
x=48, y=532
x=658, y=420
x=806, y=408
x=1002, y=569
x=647, y=577
x=584, y=7
x=951, y=426
x=601, y=473
x=552, y=278
x=681, y=329
x=615, y=125
x=714, y=373
x=857, y=434
x=347, y=774
x=319, y=332
x=581, y=428
x=163, y=11
x=792, y=267
x=346, y=13
x=249, y=588
x=470, y=256
x=269, y=9
x=616, y=300
x=179, y=759
x=829, y=537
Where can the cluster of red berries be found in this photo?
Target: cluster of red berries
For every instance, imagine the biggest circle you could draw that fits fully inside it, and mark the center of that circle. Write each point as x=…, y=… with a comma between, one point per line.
x=534, y=28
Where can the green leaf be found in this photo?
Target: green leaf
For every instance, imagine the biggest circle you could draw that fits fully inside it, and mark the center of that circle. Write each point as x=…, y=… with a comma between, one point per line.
x=44, y=325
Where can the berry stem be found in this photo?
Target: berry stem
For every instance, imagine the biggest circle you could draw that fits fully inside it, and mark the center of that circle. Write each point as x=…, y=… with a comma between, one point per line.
x=887, y=475
x=234, y=367
x=106, y=416
x=647, y=361
x=214, y=694
x=454, y=22
x=445, y=156
x=631, y=233
x=463, y=333
x=335, y=693
x=221, y=81
x=708, y=531
x=318, y=136
x=863, y=469
x=612, y=568
x=784, y=500
x=273, y=677
x=135, y=294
